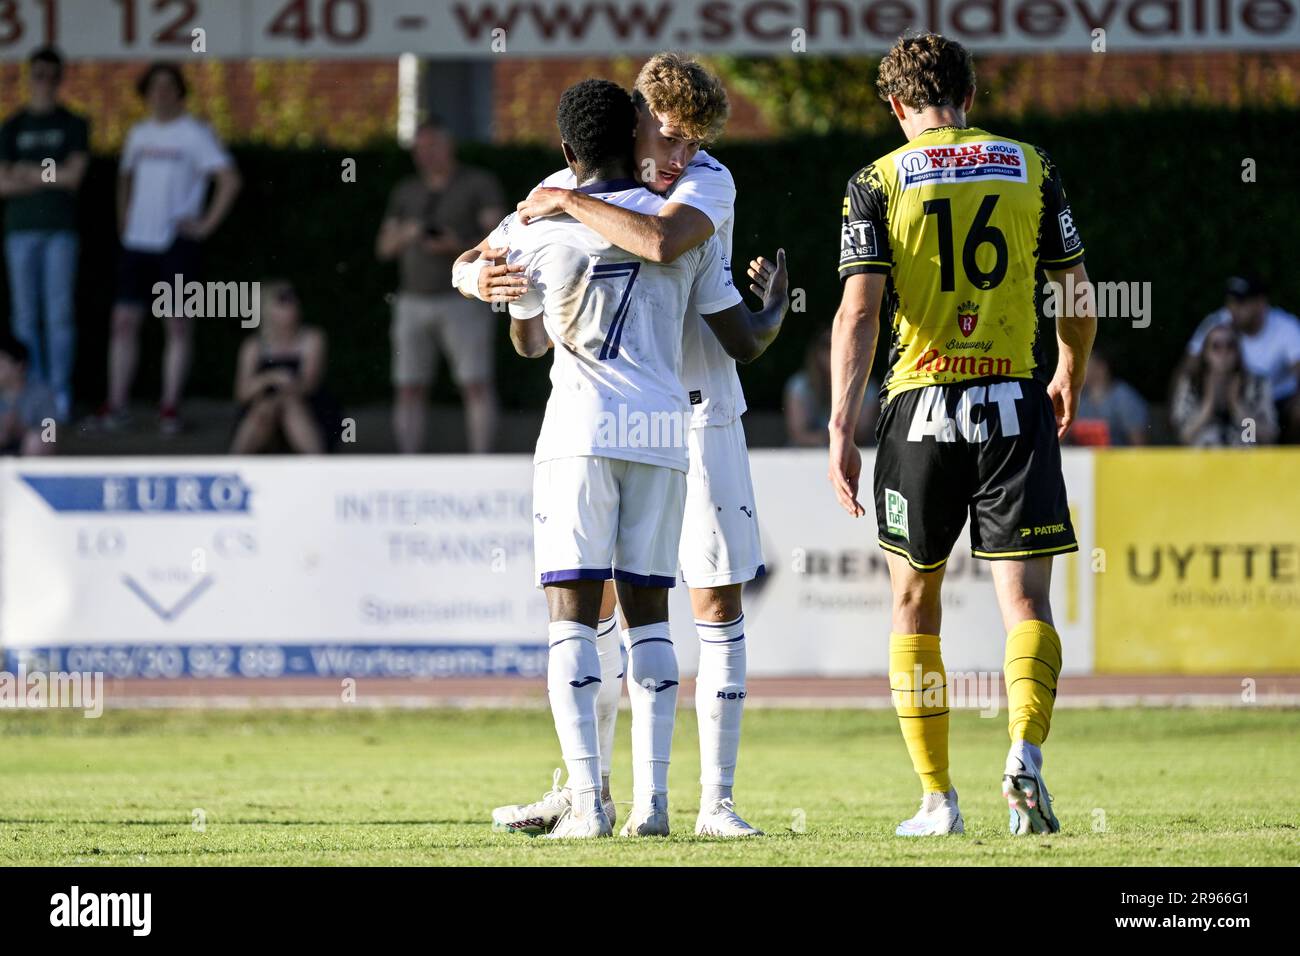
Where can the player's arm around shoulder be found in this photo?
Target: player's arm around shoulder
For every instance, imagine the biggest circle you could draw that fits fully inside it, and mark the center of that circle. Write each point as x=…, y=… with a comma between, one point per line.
x=660, y=237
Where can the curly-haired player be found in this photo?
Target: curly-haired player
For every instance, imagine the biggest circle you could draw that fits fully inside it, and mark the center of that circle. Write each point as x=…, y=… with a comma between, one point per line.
x=681, y=106
x=947, y=237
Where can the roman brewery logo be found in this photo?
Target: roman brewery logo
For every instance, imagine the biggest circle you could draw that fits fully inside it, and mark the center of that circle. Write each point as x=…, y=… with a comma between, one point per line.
x=968, y=316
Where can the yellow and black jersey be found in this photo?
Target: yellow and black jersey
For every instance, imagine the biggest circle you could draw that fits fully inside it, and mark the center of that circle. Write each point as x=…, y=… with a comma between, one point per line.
x=961, y=221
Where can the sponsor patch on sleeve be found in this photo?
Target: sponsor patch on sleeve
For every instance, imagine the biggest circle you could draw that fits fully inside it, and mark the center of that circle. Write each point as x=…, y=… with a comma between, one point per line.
x=858, y=240
x=1070, y=239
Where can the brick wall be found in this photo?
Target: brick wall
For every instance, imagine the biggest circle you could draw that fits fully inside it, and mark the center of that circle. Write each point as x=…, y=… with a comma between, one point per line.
x=350, y=102
x=527, y=91
x=340, y=102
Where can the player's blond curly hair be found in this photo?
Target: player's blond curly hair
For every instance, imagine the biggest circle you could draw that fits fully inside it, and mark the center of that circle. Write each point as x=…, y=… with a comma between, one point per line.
x=686, y=93
x=926, y=70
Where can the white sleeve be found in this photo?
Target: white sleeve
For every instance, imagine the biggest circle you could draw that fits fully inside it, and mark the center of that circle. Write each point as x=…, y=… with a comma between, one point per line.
x=209, y=154
x=713, y=290
x=500, y=236
x=532, y=303
x=1291, y=339
x=529, y=304
x=708, y=187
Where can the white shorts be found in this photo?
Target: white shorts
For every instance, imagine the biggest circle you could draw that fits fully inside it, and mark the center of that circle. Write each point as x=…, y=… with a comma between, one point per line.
x=598, y=518
x=720, y=540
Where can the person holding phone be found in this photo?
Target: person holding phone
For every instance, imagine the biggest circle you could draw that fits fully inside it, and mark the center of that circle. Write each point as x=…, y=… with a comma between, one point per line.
x=431, y=218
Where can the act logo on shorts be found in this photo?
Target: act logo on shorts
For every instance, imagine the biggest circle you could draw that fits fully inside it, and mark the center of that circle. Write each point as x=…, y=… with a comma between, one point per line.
x=895, y=513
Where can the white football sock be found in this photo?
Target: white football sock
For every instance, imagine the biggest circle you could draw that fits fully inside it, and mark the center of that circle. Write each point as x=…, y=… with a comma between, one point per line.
x=613, y=660
x=652, y=688
x=719, y=704
x=572, y=683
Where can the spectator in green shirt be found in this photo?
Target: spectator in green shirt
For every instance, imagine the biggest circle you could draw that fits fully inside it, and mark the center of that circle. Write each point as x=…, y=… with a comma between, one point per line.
x=43, y=158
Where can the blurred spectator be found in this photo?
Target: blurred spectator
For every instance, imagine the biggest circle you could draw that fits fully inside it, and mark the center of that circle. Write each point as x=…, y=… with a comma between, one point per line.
x=1269, y=342
x=807, y=401
x=41, y=224
x=1217, y=401
x=1111, y=412
x=27, y=408
x=279, y=381
x=167, y=164
x=432, y=218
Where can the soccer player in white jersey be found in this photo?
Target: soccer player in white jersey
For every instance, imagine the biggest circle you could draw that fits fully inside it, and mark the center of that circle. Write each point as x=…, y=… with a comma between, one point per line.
x=680, y=106
x=611, y=460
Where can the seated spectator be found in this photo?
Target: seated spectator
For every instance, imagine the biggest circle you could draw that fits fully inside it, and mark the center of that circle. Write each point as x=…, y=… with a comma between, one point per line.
x=27, y=409
x=808, y=399
x=279, y=378
x=1269, y=341
x=1111, y=412
x=1218, y=402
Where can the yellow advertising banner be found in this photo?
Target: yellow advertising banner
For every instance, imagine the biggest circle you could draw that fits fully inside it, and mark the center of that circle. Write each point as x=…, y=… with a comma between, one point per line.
x=1197, y=566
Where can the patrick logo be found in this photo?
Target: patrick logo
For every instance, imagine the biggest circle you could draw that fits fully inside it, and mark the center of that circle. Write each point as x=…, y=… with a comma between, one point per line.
x=967, y=318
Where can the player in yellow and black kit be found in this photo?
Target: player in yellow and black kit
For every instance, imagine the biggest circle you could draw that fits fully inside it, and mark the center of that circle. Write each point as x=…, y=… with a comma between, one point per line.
x=950, y=238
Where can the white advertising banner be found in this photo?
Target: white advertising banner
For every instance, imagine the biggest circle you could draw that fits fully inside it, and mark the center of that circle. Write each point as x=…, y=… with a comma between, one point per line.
x=395, y=567
x=465, y=29
x=824, y=607
x=264, y=567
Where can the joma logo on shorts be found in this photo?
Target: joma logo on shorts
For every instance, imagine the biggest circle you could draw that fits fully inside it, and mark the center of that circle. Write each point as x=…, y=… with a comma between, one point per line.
x=935, y=361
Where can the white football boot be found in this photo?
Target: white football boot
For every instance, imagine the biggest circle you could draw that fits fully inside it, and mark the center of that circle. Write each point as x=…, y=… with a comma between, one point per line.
x=534, y=819
x=720, y=819
x=939, y=815
x=1029, y=802
x=651, y=820
x=572, y=826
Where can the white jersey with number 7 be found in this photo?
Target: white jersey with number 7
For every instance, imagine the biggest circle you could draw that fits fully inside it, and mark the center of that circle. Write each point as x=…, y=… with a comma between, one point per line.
x=616, y=322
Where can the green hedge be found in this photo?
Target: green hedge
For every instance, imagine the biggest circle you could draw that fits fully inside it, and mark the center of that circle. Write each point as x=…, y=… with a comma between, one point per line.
x=1158, y=196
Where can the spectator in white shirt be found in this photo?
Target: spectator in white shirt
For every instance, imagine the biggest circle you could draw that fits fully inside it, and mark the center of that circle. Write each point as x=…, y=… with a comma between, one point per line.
x=168, y=163
x=1269, y=339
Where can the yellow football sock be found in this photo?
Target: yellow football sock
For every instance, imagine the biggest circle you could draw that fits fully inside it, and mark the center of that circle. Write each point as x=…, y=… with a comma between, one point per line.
x=1032, y=665
x=920, y=691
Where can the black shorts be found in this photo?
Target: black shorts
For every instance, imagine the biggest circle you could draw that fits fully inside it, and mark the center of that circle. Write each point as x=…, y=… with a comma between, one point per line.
x=987, y=448
x=138, y=272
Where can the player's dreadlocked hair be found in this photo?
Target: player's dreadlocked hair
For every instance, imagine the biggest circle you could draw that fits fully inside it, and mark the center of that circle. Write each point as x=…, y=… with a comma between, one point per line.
x=926, y=70
x=597, y=120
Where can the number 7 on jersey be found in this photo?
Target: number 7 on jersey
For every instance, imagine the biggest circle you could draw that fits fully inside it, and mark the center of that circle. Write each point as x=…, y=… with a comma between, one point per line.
x=616, y=270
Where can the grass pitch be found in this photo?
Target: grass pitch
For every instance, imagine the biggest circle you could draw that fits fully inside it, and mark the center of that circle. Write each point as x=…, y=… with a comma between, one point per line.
x=363, y=787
